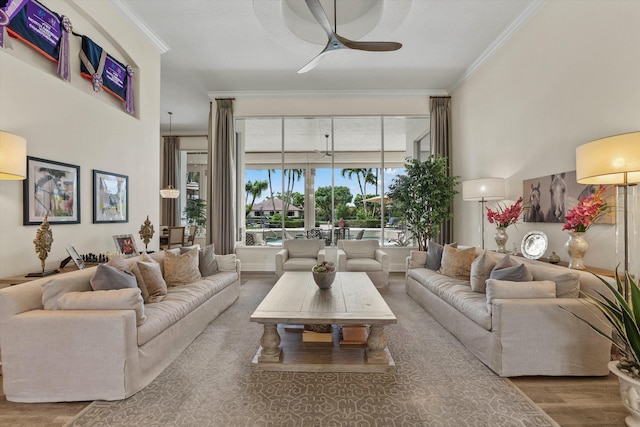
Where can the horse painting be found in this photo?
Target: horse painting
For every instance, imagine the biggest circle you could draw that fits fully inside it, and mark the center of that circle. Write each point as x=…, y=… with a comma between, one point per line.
x=534, y=212
x=558, y=196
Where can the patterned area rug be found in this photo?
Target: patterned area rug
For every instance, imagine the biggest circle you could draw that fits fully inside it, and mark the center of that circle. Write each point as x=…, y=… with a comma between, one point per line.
x=437, y=382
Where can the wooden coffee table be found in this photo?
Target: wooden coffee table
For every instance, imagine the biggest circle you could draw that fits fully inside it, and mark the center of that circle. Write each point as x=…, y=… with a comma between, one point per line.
x=295, y=299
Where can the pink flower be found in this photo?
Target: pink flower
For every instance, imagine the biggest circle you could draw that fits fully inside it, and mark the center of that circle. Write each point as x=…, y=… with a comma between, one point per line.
x=504, y=217
x=588, y=210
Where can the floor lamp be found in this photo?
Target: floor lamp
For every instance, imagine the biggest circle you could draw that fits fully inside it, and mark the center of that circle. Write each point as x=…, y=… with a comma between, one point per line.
x=615, y=160
x=481, y=190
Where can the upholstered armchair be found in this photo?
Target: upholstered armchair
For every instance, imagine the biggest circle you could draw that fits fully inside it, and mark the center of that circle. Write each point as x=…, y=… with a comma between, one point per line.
x=299, y=255
x=366, y=256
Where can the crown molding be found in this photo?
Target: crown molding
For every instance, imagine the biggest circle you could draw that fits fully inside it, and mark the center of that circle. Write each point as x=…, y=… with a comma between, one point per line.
x=140, y=25
x=328, y=94
x=499, y=42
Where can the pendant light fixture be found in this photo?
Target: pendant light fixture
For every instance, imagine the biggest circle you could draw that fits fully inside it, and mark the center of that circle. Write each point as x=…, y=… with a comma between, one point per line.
x=169, y=192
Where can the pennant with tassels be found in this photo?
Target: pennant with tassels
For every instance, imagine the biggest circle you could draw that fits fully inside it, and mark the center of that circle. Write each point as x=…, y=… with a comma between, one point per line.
x=44, y=30
x=105, y=72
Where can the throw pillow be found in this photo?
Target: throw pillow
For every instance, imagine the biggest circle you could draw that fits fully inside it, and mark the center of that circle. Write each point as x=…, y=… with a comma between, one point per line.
x=567, y=282
x=113, y=275
x=207, y=261
x=149, y=278
x=456, y=263
x=118, y=299
x=434, y=254
x=481, y=269
x=502, y=289
x=508, y=269
x=226, y=262
x=181, y=269
x=417, y=259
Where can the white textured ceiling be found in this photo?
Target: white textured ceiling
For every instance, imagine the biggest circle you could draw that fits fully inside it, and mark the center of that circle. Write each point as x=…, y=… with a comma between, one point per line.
x=245, y=45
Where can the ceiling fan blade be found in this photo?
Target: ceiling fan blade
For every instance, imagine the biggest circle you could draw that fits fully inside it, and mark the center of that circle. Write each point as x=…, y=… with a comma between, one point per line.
x=313, y=63
x=318, y=12
x=369, y=46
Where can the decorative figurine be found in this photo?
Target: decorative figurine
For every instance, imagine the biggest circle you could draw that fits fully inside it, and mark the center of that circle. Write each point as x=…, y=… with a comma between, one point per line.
x=43, y=241
x=146, y=232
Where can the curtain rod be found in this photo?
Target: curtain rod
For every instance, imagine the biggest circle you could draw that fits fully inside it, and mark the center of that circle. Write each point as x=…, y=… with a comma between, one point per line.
x=224, y=99
x=440, y=97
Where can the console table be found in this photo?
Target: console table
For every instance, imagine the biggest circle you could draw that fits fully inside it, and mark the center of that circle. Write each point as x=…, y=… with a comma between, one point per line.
x=22, y=278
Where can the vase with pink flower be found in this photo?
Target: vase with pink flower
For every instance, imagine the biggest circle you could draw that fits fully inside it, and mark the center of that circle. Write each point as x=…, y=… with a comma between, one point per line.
x=579, y=220
x=503, y=217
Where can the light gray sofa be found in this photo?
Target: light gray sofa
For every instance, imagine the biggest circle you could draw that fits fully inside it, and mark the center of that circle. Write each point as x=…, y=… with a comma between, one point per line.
x=75, y=355
x=299, y=255
x=516, y=336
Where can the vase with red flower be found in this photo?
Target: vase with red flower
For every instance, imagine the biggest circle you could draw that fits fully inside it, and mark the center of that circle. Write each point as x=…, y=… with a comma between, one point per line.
x=503, y=217
x=579, y=220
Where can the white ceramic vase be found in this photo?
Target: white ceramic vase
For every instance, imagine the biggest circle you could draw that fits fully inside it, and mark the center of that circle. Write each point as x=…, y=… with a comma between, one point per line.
x=501, y=238
x=324, y=280
x=630, y=393
x=576, y=246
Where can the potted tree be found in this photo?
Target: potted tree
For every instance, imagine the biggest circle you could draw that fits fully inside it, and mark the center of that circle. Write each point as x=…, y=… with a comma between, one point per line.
x=622, y=312
x=424, y=195
x=196, y=213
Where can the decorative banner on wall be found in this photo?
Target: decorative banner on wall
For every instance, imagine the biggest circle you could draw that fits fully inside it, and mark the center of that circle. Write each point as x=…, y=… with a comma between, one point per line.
x=8, y=9
x=44, y=30
x=106, y=73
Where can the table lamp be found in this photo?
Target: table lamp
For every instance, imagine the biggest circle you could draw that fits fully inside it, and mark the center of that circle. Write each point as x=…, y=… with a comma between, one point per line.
x=481, y=190
x=13, y=156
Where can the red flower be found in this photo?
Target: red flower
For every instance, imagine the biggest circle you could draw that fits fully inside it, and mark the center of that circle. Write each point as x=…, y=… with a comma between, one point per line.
x=589, y=209
x=504, y=217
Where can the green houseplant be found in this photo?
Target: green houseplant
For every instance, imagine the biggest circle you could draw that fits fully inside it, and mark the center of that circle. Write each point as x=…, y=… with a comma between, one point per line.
x=424, y=194
x=196, y=212
x=622, y=311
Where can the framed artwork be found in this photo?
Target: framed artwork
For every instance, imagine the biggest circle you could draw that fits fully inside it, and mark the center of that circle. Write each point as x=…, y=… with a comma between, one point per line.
x=550, y=197
x=75, y=256
x=126, y=245
x=110, y=197
x=51, y=189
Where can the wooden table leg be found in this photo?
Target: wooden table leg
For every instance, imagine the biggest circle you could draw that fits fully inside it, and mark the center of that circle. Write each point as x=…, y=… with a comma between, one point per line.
x=376, y=345
x=270, y=343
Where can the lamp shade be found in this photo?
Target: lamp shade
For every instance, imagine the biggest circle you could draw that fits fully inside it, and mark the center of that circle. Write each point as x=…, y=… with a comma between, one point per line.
x=611, y=160
x=13, y=156
x=169, y=192
x=483, y=189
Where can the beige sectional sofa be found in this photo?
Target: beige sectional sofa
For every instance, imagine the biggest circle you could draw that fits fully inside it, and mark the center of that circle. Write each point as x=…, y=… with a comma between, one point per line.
x=514, y=328
x=51, y=355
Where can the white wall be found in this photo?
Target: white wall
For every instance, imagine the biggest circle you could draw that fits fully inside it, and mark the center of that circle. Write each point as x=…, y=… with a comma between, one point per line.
x=570, y=75
x=68, y=122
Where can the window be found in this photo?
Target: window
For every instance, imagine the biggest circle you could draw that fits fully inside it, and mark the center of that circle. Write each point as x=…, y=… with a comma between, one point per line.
x=324, y=176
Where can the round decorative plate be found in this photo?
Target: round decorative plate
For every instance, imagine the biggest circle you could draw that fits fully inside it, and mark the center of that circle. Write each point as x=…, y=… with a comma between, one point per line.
x=534, y=244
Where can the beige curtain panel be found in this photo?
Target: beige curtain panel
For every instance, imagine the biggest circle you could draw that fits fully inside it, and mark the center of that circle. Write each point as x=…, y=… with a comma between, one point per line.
x=441, y=146
x=220, y=220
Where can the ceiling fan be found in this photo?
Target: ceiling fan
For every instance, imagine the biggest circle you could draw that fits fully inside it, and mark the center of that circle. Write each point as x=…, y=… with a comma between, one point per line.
x=326, y=152
x=337, y=42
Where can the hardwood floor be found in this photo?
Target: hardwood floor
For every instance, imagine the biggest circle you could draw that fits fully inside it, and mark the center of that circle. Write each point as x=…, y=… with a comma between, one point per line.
x=571, y=401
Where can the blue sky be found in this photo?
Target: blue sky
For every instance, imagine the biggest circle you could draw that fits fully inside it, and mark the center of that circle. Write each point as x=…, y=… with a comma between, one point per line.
x=323, y=179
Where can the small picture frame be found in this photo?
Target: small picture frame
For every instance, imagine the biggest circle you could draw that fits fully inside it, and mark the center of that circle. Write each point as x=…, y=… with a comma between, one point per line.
x=77, y=259
x=126, y=245
x=110, y=197
x=51, y=189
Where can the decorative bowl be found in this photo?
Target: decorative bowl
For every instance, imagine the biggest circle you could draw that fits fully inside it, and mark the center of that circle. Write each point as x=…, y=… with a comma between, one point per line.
x=324, y=280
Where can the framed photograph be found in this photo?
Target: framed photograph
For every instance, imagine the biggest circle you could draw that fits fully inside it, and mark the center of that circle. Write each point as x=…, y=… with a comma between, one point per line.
x=51, y=189
x=551, y=197
x=126, y=245
x=110, y=197
x=75, y=256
